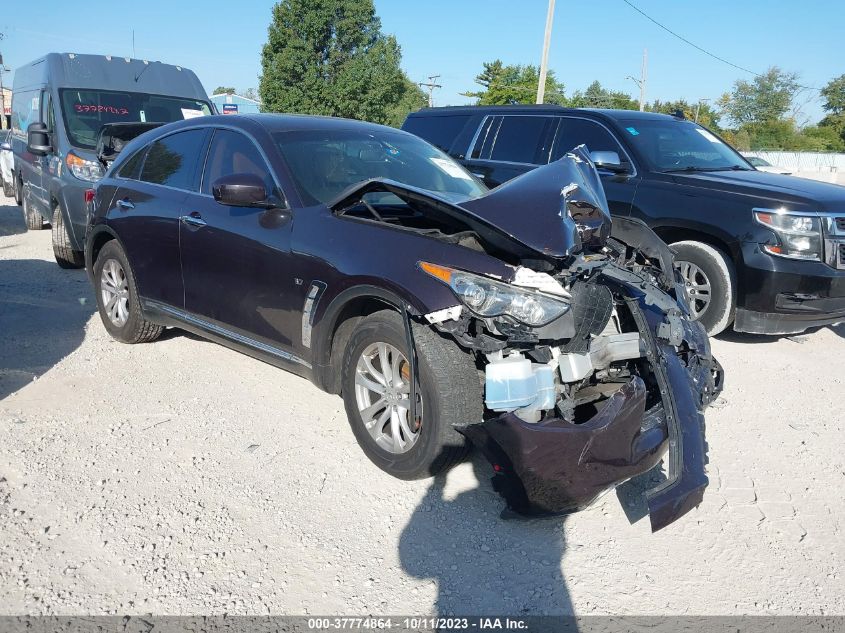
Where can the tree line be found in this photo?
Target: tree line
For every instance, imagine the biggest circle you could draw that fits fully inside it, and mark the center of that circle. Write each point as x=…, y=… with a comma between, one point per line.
x=331, y=57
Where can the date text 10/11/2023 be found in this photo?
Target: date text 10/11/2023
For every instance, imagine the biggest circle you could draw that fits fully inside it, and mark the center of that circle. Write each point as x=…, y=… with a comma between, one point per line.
x=417, y=623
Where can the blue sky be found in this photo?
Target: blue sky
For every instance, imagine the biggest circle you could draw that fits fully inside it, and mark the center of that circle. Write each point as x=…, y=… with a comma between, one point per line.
x=600, y=40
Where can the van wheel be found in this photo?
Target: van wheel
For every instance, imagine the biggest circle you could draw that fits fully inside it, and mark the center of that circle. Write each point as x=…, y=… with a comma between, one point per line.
x=117, y=297
x=376, y=392
x=33, y=219
x=710, y=282
x=66, y=256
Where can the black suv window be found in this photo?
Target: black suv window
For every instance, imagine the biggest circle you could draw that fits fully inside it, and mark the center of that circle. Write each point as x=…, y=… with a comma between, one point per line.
x=518, y=139
x=440, y=131
x=234, y=153
x=574, y=132
x=172, y=161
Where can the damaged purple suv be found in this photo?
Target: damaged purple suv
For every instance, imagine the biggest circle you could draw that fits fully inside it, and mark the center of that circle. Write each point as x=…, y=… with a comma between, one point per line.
x=366, y=260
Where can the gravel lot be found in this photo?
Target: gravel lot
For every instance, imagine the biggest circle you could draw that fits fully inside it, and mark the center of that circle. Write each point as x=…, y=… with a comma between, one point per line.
x=180, y=477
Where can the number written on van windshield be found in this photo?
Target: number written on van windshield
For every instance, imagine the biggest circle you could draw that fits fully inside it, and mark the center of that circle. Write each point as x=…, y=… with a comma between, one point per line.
x=82, y=107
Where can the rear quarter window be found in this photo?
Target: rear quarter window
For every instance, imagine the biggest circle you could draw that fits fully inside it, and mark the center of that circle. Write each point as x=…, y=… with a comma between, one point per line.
x=440, y=131
x=173, y=160
x=131, y=168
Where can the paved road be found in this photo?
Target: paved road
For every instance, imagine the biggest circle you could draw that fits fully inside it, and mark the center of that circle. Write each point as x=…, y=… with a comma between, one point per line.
x=180, y=477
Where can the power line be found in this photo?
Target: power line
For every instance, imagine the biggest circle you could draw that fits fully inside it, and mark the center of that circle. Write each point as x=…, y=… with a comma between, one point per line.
x=696, y=46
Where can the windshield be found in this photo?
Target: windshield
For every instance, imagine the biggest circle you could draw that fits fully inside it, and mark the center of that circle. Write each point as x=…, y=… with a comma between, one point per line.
x=325, y=162
x=678, y=145
x=86, y=111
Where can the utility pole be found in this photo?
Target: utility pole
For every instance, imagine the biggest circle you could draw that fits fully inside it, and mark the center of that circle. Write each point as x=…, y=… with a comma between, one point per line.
x=643, y=79
x=544, y=62
x=431, y=85
x=641, y=82
x=698, y=108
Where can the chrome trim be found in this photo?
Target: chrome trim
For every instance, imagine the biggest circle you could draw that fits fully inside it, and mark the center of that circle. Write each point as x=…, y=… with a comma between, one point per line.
x=311, y=299
x=229, y=334
x=189, y=219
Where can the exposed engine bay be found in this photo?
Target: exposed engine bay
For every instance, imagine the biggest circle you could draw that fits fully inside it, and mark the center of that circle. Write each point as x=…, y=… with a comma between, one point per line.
x=593, y=370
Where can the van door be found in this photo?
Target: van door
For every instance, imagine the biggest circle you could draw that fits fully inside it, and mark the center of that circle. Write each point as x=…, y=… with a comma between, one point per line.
x=618, y=188
x=507, y=146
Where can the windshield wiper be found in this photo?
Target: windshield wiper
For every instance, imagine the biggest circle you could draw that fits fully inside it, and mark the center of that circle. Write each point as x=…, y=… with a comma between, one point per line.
x=690, y=168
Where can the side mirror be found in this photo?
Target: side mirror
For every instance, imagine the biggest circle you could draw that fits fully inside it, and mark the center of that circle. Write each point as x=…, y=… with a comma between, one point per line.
x=38, y=140
x=240, y=190
x=609, y=161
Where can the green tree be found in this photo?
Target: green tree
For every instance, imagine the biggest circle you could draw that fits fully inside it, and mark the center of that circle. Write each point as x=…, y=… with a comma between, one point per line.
x=330, y=57
x=503, y=85
x=222, y=90
x=768, y=97
x=834, y=96
x=596, y=96
x=251, y=93
x=707, y=115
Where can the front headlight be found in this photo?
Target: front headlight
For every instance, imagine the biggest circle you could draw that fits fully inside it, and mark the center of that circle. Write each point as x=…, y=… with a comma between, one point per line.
x=88, y=170
x=800, y=235
x=488, y=298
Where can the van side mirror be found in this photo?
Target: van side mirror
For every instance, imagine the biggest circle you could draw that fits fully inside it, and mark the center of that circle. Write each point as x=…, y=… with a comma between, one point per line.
x=240, y=190
x=37, y=139
x=609, y=161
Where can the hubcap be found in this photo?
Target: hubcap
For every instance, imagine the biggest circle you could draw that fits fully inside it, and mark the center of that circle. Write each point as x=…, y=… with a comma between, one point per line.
x=114, y=289
x=382, y=393
x=697, y=287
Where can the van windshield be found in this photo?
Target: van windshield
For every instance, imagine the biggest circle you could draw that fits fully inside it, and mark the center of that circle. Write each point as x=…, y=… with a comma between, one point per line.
x=677, y=145
x=86, y=111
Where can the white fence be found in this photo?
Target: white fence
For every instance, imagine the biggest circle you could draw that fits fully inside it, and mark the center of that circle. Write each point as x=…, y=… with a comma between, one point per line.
x=826, y=166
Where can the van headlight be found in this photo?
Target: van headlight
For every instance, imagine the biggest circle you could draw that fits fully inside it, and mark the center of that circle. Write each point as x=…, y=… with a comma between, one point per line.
x=88, y=170
x=486, y=297
x=800, y=235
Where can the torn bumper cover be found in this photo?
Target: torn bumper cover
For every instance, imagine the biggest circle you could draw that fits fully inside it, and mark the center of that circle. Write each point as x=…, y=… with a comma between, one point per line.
x=556, y=467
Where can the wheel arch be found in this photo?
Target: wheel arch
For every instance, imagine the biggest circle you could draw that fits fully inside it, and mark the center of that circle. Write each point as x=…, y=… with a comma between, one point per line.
x=99, y=237
x=672, y=234
x=337, y=322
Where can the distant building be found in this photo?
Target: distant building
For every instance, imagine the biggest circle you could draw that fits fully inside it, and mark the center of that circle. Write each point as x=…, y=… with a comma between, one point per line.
x=235, y=104
x=6, y=115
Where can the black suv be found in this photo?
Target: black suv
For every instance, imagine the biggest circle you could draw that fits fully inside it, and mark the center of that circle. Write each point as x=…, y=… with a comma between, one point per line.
x=761, y=251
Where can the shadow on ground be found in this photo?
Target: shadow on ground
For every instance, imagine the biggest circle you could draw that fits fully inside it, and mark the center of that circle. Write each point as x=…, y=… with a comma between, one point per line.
x=743, y=337
x=11, y=217
x=480, y=563
x=43, y=312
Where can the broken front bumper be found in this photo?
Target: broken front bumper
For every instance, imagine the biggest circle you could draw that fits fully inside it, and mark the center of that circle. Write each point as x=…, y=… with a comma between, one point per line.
x=555, y=467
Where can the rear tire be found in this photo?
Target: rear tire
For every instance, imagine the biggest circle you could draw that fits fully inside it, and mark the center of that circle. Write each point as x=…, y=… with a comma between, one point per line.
x=713, y=266
x=449, y=388
x=33, y=219
x=66, y=256
x=133, y=327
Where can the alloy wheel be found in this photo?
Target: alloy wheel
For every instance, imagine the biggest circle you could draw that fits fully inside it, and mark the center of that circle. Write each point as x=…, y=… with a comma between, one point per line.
x=382, y=393
x=114, y=289
x=697, y=288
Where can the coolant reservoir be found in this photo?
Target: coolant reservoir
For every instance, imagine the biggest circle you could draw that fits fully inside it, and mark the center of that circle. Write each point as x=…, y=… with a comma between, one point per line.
x=510, y=383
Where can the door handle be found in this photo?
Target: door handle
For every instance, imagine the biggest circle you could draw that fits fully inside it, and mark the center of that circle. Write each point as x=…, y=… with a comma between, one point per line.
x=193, y=219
x=126, y=204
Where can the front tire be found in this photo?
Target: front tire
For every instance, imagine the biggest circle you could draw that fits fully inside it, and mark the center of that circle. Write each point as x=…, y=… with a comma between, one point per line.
x=117, y=298
x=375, y=386
x=66, y=256
x=710, y=282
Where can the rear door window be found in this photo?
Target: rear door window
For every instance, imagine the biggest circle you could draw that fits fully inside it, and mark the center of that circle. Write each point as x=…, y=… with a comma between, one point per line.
x=173, y=160
x=575, y=131
x=521, y=139
x=233, y=153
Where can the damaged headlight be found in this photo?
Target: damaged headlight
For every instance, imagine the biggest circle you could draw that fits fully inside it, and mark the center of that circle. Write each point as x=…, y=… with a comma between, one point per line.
x=800, y=234
x=488, y=298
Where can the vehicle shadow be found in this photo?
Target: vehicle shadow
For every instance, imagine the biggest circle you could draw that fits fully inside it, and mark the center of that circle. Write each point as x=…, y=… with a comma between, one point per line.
x=731, y=336
x=482, y=564
x=43, y=312
x=11, y=217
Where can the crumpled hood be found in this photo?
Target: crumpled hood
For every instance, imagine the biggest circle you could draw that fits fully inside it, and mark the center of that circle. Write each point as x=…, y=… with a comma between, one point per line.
x=553, y=212
x=557, y=210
